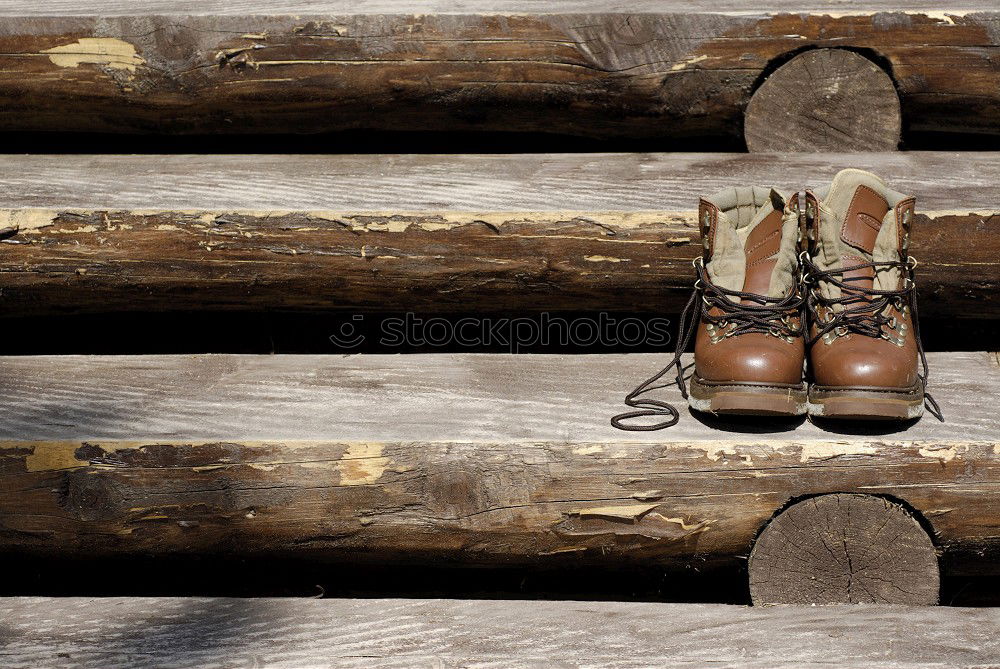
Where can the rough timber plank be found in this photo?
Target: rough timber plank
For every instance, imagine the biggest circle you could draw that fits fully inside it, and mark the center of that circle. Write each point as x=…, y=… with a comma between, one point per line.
x=643, y=69
x=435, y=233
x=361, y=7
x=457, y=458
x=300, y=633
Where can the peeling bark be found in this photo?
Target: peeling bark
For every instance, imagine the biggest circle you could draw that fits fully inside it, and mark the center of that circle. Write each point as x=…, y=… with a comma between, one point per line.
x=433, y=234
x=466, y=459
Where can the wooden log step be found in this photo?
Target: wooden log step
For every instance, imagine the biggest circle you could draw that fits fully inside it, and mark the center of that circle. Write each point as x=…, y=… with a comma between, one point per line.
x=488, y=233
x=301, y=633
x=470, y=459
x=643, y=69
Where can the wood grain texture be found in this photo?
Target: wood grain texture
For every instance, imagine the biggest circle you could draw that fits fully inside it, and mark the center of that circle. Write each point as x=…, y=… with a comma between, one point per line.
x=435, y=233
x=824, y=100
x=463, y=459
x=256, y=7
x=447, y=634
x=639, y=71
x=844, y=549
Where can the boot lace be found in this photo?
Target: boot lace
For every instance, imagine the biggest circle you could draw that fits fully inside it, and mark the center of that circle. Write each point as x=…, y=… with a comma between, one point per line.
x=762, y=314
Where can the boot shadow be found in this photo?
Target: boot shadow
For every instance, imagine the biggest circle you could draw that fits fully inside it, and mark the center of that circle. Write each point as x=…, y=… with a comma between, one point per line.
x=748, y=424
x=862, y=427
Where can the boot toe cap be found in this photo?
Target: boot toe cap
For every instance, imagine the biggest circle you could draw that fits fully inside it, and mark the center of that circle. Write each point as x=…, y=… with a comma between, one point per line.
x=767, y=366
x=866, y=370
x=767, y=360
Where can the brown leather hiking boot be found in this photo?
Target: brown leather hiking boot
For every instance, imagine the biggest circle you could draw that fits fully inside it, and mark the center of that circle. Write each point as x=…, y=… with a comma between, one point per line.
x=864, y=345
x=749, y=348
x=745, y=314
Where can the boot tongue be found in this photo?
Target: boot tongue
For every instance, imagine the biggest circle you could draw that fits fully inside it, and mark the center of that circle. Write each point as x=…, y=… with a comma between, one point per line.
x=762, y=246
x=861, y=226
x=744, y=240
x=866, y=210
x=761, y=250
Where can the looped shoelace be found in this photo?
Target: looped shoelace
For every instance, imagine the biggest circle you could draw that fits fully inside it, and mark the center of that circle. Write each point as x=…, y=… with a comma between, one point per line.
x=863, y=309
x=766, y=314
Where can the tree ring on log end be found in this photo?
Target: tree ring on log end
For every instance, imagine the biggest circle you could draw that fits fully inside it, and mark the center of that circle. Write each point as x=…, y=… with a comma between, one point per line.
x=844, y=548
x=824, y=100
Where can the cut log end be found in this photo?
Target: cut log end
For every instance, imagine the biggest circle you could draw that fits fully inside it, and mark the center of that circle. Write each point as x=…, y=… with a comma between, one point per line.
x=824, y=100
x=844, y=548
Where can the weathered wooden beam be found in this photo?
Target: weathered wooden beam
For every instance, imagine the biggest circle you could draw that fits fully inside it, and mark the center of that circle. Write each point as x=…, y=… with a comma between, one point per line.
x=667, y=70
x=462, y=459
x=434, y=233
x=286, y=632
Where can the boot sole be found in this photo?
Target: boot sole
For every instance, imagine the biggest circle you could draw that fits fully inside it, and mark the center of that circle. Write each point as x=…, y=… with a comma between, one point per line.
x=867, y=403
x=748, y=399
